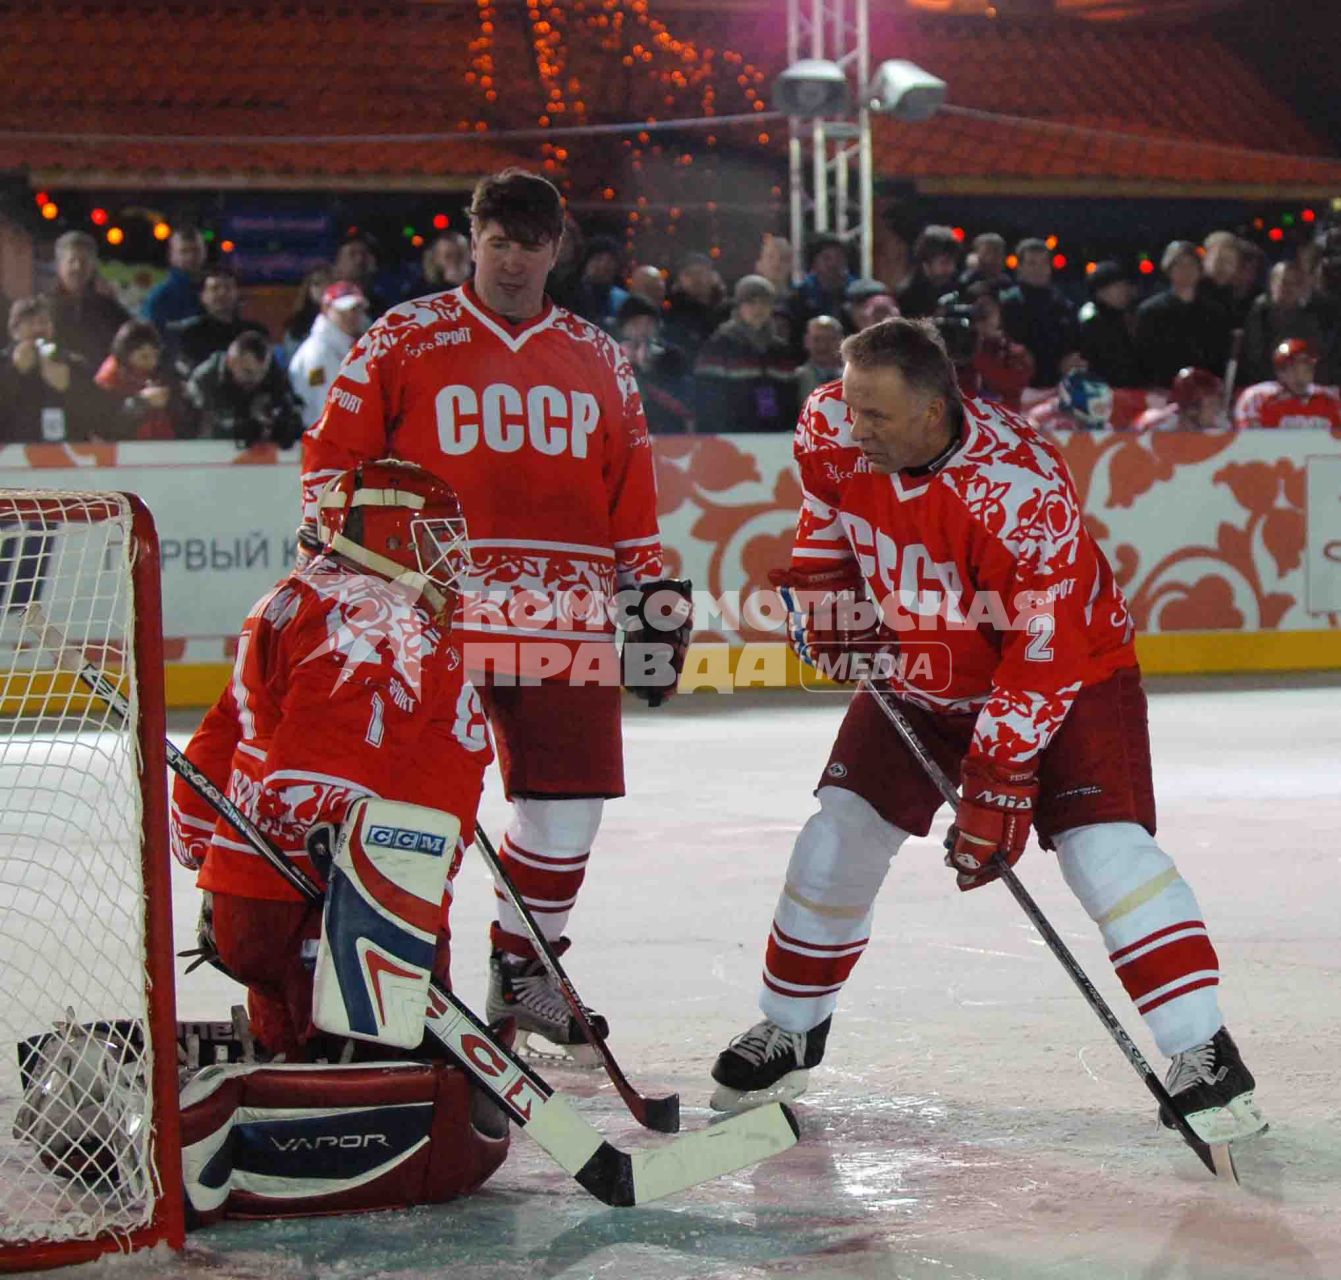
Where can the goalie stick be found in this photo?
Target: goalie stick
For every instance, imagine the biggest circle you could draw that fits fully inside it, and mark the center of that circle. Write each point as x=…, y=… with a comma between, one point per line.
x=660, y=1114
x=1216, y=1157
x=615, y=1177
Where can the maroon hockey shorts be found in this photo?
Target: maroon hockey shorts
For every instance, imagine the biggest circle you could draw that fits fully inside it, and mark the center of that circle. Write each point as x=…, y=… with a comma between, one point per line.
x=1096, y=769
x=260, y=942
x=557, y=741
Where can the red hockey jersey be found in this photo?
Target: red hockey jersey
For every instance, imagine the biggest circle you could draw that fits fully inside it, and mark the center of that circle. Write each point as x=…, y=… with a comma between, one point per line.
x=342, y=687
x=1269, y=404
x=539, y=427
x=1004, y=604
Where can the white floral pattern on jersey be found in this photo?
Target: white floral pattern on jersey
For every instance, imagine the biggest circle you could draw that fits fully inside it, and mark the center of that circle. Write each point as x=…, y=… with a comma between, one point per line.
x=373, y=625
x=1011, y=485
x=612, y=356
x=1016, y=724
x=396, y=327
x=827, y=458
x=563, y=590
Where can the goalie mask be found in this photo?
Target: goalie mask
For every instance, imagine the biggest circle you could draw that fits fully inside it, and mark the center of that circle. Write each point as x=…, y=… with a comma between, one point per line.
x=400, y=522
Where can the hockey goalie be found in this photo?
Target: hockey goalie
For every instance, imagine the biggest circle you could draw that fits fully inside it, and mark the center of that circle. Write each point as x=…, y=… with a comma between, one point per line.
x=349, y=734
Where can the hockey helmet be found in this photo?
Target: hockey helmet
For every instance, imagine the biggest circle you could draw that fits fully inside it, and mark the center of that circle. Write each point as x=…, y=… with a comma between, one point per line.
x=1089, y=400
x=1293, y=349
x=400, y=522
x=1192, y=386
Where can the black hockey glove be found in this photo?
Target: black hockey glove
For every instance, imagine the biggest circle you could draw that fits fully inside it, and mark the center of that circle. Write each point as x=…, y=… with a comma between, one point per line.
x=206, y=950
x=657, y=628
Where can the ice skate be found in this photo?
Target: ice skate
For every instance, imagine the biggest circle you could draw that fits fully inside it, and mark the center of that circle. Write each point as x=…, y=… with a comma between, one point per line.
x=523, y=989
x=1214, y=1091
x=766, y=1064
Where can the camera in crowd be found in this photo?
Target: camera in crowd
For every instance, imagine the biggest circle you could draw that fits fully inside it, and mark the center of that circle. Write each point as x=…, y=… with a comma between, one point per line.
x=955, y=325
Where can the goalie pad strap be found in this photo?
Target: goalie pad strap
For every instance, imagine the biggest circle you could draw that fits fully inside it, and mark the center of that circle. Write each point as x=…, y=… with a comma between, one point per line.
x=294, y=1141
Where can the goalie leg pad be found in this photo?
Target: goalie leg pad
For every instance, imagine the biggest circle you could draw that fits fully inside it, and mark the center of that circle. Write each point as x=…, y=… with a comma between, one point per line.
x=297, y=1141
x=384, y=905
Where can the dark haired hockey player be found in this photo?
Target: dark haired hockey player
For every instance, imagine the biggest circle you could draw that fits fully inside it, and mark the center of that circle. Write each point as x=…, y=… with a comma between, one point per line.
x=533, y=416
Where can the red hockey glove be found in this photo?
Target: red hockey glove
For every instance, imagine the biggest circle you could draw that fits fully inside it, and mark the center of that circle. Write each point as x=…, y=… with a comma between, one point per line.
x=995, y=811
x=830, y=617
x=656, y=638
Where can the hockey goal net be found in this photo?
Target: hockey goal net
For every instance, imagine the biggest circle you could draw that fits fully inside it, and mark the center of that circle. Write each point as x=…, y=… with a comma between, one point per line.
x=89, y=1150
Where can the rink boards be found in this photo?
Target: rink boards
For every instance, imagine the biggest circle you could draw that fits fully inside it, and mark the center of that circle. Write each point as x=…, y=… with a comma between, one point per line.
x=1228, y=545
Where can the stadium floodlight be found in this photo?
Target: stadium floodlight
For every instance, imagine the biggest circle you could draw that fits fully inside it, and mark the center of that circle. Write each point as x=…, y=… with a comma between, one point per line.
x=903, y=90
x=812, y=87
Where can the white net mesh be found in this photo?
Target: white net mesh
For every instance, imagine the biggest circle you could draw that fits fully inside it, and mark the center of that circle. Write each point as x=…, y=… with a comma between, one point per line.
x=75, y=1117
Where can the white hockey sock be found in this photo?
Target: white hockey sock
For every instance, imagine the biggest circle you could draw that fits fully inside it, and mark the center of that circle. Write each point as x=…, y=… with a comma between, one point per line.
x=1152, y=927
x=823, y=917
x=545, y=851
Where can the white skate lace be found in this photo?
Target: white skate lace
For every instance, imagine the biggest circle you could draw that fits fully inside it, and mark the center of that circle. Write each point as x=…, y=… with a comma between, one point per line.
x=537, y=994
x=1193, y=1066
x=766, y=1040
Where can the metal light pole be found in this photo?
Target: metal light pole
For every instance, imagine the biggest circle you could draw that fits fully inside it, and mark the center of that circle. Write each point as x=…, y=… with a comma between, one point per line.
x=835, y=31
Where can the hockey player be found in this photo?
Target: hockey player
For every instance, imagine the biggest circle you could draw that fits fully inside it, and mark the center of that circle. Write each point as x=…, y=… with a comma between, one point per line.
x=1082, y=403
x=347, y=683
x=533, y=416
x=351, y=737
x=1292, y=399
x=962, y=524
x=1196, y=403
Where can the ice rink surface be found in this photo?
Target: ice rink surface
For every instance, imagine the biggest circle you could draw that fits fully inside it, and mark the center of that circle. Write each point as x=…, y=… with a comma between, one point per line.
x=972, y=1120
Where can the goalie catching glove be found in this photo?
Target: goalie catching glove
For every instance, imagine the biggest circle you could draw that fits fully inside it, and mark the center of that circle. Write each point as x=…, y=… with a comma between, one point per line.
x=830, y=618
x=996, y=809
x=656, y=637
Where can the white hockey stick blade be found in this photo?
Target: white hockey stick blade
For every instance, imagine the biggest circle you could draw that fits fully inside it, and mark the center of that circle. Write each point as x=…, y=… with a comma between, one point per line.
x=616, y=1177
x=700, y=1156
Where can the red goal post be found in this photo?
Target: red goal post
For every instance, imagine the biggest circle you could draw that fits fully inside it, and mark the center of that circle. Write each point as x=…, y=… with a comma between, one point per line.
x=90, y=1153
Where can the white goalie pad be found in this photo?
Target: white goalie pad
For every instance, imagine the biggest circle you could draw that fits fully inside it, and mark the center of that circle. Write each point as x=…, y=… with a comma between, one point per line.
x=380, y=924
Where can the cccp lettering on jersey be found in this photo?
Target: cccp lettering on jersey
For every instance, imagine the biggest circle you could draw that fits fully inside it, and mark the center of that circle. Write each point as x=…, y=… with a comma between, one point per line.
x=504, y=419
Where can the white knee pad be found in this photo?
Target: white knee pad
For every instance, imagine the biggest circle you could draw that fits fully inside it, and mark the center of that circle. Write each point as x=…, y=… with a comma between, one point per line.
x=555, y=827
x=841, y=856
x=1114, y=868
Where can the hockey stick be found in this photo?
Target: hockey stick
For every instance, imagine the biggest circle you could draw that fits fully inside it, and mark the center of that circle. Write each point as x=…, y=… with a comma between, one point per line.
x=1216, y=1158
x=615, y=1177
x=661, y=1114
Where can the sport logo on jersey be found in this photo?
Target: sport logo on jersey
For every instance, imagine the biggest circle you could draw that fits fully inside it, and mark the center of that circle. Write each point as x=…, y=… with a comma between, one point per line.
x=406, y=841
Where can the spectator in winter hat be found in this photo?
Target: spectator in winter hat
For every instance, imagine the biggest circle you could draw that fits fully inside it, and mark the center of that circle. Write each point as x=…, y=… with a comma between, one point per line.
x=936, y=263
x=746, y=376
x=1108, y=326
x=1179, y=328
x=697, y=303
x=599, y=293
x=868, y=303
x=344, y=316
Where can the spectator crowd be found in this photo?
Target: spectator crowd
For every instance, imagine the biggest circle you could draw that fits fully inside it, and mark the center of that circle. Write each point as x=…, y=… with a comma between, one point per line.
x=1224, y=341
